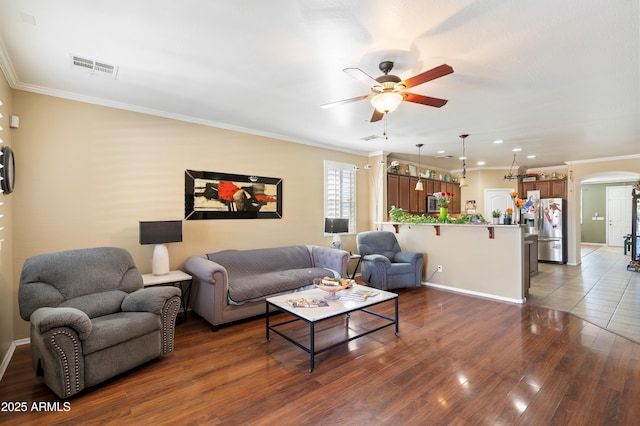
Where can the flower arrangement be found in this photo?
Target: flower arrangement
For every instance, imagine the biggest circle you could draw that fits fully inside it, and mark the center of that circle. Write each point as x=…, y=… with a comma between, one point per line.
x=508, y=213
x=517, y=202
x=443, y=198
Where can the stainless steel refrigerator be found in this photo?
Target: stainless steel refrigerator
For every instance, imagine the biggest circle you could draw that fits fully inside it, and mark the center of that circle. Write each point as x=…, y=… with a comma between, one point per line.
x=552, y=230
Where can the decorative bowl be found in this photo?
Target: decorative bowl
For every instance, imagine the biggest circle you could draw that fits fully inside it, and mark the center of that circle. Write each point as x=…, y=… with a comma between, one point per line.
x=332, y=287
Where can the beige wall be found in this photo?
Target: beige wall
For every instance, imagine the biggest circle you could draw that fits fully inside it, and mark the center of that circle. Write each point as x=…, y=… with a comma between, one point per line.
x=87, y=174
x=478, y=181
x=7, y=289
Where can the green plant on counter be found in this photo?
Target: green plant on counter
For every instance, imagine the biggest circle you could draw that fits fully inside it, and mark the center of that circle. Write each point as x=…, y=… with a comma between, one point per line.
x=475, y=218
x=400, y=216
x=496, y=213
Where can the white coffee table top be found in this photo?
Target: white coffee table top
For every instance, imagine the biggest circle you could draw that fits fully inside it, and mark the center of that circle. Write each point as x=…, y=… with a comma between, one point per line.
x=336, y=307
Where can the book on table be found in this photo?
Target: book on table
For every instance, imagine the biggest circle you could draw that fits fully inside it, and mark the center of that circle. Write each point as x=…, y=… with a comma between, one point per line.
x=307, y=303
x=359, y=295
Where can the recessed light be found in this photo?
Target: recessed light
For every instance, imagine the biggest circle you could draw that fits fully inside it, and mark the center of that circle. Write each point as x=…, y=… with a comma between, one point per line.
x=440, y=152
x=516, y=149
x=531, y=156
x=462, y=158
x=481, y=163
x=498, y=141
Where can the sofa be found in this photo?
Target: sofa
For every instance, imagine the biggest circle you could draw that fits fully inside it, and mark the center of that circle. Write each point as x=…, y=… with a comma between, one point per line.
x=231, y=285
x=91, y=318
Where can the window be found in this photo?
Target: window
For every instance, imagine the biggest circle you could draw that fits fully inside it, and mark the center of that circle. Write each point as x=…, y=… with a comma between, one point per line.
x=340, y=192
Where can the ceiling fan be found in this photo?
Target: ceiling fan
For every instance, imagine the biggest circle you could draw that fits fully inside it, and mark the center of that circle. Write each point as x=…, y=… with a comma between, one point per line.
x=388, y=91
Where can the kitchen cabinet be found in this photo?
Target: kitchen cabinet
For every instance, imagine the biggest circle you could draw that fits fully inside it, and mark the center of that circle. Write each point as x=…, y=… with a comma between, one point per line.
x=401, y=193
x=392, y=191
x=417, y=199
x=554, y=188
x=559, y=188
x=404, y=193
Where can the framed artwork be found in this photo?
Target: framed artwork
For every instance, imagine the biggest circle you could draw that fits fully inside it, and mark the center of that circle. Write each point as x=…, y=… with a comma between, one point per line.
x=470, y=206
x=213, y=195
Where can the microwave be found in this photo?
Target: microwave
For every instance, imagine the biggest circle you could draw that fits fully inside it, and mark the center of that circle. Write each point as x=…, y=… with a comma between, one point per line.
x=432, y=204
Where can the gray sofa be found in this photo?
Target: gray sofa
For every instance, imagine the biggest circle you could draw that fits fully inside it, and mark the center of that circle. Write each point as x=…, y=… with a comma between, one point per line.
x=91, y=318
x=232, y=284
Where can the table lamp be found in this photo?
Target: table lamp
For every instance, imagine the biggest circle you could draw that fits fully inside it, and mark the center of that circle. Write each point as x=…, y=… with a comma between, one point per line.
x=160, y=233
x=336, y=227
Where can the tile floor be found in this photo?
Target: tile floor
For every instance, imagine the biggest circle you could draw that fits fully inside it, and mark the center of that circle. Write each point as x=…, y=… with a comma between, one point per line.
x=600, y=290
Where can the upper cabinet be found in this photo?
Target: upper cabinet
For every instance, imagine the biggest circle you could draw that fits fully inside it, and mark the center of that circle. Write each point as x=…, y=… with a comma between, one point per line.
x=401, y=192
x=553, y=188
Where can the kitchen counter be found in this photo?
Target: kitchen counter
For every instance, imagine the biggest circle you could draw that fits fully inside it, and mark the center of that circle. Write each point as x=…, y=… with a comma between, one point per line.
x=484, y=260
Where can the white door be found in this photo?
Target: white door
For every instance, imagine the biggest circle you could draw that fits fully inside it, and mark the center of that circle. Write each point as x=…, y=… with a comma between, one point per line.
x=496, y=199
x=618, y=214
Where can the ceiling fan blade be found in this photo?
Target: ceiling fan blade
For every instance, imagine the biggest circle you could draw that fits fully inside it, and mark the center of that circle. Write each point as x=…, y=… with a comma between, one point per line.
x=424, y=100
x=358, y=74
x=346, y=101
x=377, y=116
x=432, y=74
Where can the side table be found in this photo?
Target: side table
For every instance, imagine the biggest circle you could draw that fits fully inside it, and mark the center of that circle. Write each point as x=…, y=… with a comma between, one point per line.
x=173, y=278
x=355, y=256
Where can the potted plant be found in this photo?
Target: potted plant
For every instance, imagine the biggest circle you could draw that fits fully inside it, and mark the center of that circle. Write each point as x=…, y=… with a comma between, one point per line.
x=443, y=199
x=496, y=216
x=507, y=216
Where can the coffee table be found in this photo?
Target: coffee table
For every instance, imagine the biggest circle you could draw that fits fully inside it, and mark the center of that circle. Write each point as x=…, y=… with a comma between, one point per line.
x=336, y=308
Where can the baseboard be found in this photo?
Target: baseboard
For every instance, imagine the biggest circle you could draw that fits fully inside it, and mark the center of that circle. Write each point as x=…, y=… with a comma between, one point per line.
x=476, y=293
x=9, y=354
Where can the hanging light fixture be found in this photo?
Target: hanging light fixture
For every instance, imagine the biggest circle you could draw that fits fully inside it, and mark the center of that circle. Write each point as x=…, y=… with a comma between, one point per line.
x=386, y=102
x=419, y=185
x=517, y=175
x=463, y=181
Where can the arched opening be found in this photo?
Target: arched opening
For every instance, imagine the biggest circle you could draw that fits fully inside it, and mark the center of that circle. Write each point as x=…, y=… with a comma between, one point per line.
x=595, y=205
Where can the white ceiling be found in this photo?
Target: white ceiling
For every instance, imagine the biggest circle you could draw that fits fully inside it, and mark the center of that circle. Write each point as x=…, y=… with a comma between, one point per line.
x=558, y=78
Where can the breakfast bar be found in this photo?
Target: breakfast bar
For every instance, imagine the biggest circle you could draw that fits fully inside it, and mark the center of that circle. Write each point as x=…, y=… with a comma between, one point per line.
x=479, y=259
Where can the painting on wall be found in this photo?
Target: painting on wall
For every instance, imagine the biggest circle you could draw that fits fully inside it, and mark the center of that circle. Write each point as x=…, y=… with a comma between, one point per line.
x=212, y=195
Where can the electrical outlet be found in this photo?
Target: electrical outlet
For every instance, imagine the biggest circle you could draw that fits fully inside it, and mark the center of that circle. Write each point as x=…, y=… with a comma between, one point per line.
x=439, y=268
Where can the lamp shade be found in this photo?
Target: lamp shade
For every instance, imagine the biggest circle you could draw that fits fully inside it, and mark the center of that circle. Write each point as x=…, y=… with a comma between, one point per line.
x=386, y=102
x=336, y=225
x=419, y=185
x=161, y=232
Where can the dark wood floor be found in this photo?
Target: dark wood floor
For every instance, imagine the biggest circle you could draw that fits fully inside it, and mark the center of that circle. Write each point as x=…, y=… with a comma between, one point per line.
x=457, y=360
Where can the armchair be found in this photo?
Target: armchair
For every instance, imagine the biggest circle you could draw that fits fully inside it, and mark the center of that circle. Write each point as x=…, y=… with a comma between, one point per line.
x=384, y=265
x=91, y=318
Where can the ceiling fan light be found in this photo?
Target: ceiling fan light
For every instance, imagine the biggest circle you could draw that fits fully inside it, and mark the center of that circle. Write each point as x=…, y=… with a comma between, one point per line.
x=386, y=102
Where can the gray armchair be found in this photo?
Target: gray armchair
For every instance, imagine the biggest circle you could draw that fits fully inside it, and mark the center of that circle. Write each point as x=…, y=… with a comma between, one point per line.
x=384, y=265
x=91, y=317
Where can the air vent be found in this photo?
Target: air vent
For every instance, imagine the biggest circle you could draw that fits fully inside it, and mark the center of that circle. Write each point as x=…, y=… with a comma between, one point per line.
x=94, y=67
x=368, y=138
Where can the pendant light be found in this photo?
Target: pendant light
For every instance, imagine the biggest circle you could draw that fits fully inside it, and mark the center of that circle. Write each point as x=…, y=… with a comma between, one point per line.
x=419, y=185
x=463, y=181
